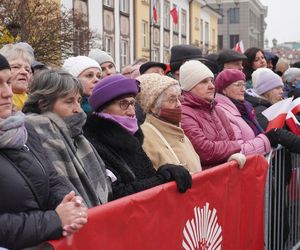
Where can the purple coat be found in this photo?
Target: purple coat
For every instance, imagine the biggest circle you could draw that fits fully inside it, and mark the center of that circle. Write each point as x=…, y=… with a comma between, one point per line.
x=209, y=130
x=250, y=144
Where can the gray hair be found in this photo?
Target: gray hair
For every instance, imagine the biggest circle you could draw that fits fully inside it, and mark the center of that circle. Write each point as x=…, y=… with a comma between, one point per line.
x=162, y=96
x=16, y=51
x=47, y=87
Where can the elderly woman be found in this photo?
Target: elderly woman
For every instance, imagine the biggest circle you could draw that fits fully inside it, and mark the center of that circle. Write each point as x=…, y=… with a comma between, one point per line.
x=113, y=130
x=36, y=204
x=230, y=87
x=202, y=121
x=88, y=73
x=164, y=139
x=53, y=108
x=20, y=63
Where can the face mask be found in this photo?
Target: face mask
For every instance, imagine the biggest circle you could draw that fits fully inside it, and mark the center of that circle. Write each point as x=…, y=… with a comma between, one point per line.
x=170, y=115
x=75, y=123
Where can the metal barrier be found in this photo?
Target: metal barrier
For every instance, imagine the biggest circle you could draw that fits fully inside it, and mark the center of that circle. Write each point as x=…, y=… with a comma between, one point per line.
x=282, y=201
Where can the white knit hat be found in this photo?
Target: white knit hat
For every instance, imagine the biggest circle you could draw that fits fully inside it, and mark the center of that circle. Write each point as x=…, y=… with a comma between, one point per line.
x=76, y=65
x=264, y=80
x=193, y=72
x=152, y=86
x=101, y=56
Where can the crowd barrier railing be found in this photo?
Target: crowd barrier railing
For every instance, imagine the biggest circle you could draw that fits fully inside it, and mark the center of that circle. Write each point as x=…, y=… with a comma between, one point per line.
x=223, y=210
x=282, y=200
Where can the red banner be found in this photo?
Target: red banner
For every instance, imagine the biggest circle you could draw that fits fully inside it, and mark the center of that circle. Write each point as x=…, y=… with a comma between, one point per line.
x=223, y=210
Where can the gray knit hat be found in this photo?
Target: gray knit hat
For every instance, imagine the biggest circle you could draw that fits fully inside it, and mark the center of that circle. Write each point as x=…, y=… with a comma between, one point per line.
x=101, y=56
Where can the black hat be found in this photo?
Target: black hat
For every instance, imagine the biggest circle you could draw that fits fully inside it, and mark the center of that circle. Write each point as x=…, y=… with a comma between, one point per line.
x=144, y=67
x=229, y=55
x=296, y=64
x=182, y=53
x=3, y=63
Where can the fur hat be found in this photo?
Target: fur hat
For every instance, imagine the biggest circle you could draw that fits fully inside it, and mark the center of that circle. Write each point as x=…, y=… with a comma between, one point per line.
x=291, y=74
x=229, y=55
x=101, y=56
x=181, y=53
x=264, y=80
x=4, y=63
x=152, y=86
x=227, y=77
x=76, y=65
x=110, y=88
x=191, y=73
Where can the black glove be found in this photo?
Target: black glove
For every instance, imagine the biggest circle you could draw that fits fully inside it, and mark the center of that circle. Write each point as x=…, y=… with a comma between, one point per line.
x=177, y=173
x=273, y=136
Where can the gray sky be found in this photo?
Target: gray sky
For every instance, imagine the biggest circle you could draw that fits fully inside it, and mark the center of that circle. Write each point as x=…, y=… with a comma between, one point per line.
x=283, y=20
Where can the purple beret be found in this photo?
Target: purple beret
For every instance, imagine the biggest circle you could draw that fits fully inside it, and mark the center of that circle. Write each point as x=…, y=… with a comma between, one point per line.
x=110, y=88
x=227, y=77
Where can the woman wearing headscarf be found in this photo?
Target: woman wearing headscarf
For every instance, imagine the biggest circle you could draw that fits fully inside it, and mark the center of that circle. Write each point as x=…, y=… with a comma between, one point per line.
x=53, y=108
x=164, y=139
x=204, y=124
x=36, y=204
x=113, y=130
x=230, y=87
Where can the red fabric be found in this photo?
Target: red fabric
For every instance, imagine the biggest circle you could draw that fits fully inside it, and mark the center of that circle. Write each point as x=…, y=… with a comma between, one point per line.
x=174, y=14
x=154, y=12
x=161, y=217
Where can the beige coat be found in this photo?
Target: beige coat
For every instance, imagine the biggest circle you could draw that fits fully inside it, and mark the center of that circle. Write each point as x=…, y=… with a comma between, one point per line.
x=158, y=151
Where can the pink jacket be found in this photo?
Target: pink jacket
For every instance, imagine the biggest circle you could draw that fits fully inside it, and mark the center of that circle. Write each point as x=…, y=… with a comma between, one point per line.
x=250, y=144
x=208, y=130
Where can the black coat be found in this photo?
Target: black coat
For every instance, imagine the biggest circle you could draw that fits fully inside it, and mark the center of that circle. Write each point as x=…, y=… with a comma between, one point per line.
x=30, y=191
x=122, y=154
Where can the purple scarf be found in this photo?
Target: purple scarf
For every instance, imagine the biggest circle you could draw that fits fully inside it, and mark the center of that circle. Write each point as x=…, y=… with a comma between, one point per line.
x=248, y=114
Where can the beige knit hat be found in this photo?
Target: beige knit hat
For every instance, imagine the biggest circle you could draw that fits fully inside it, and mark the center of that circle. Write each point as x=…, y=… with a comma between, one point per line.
x=191, y=73
x=152, y=85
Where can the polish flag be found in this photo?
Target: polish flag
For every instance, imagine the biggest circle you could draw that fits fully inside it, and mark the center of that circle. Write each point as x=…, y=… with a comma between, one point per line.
x=174, y=14
x=239, y=47
x=276, y=114
x=154, y=12
x=291, y=121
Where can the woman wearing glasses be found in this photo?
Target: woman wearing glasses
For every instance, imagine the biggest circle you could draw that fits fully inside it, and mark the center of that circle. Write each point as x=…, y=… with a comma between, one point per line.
x=113, y=130
x=230, y=87
x=165, y=141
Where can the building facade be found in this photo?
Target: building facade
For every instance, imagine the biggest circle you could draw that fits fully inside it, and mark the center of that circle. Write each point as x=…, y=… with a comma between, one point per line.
x=127, y=29
x=242, y=20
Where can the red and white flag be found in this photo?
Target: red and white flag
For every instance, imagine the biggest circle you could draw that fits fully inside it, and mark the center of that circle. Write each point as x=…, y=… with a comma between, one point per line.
x=291, y=121
x=154, y=12
x=276, y=114
x=174, y=14
x=239, y=47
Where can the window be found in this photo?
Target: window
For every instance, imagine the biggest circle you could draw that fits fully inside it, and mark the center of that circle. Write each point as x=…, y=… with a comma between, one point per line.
x=124, y=6
x=144, y=34
x=201, y=31
x=220, y=42
x=234, y=15
x=108, y=44
x=108, y=3
x=175, y=26
x=124, y=53
x=206, y=33
x=166, y=15
x=155, y=54
x=234, y=39
x=221, y=19
x=183, y=22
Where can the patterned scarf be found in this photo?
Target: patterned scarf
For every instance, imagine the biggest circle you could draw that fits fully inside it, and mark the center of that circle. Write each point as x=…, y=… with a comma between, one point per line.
x=248, y=114
x=13, y=133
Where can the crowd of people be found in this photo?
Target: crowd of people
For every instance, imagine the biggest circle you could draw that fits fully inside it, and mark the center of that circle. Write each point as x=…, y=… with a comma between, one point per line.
x=84, y=134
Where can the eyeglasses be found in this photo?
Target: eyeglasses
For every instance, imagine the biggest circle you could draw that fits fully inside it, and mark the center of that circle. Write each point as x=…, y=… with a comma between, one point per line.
x=239, y=85
x=124, y=104
x=174, y=99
